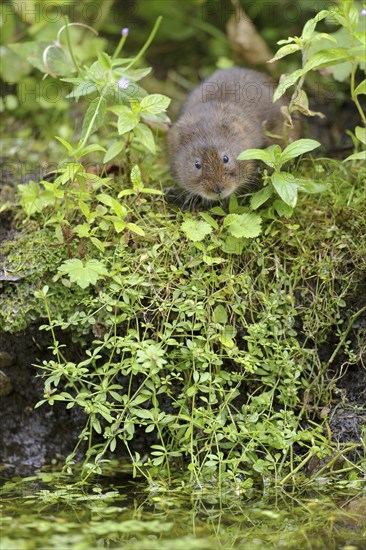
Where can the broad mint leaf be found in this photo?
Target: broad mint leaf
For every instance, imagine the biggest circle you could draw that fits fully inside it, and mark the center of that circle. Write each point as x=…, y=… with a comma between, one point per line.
x=154, y=104
x=286, y=186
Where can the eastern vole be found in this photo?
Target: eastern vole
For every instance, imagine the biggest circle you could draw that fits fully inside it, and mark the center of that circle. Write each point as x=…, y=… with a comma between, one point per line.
x=226, y=114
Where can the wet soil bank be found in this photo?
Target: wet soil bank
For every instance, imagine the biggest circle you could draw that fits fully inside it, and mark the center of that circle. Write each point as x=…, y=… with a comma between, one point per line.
x=31, y=437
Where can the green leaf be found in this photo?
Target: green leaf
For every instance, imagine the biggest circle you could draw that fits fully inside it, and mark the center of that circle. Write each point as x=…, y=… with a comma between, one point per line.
x=91, y=149
x=32, y=52
x=210, y=220
x=94, y=117
x=119, y=225
x=136, y=229
x=12, y=67
x=232, y=245
x=33, y=198
x=195, y=230
x=113, y=151
x=286, y=41
x=83, y=274
x=105, y=60
x=65, y=143
x=310, y=186
x=113, y=204
x=357, y=156
x=285, y=185
x=83, y=88
x=243, y=225
x=361, y=88
x=286, y=82
x=325, y=57
x=84, y=208
x=310, y=25
x=210, y=260
x=136, y=177
x=154, y=104
x=191, y=391
x=96, y=242
x=82, y=230
x=268, y=156
x=285, y=50
x=260, y=197
x=218, y=211
x=298, y=148
x=282, y=208
x=151, y=191
x=127, y=120
x=134, y=74
x=226, y=341
x=145, y=136
x=321, y=36
x=233, y=204
x=220, y=315
x=361, y=134
x=361, y=36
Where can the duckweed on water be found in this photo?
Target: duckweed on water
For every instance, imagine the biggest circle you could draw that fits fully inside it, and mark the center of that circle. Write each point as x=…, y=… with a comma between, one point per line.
x=45, y=513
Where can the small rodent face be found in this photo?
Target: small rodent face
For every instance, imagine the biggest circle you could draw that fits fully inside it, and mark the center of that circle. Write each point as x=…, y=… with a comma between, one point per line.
x=211, y=171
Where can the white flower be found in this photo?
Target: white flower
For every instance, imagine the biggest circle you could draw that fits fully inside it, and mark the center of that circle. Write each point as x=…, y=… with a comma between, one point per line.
x=123, y=83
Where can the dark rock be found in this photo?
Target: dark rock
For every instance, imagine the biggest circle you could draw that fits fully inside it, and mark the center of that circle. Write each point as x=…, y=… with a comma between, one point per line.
x=29, y=437
x=6, y=359
x=5, y=384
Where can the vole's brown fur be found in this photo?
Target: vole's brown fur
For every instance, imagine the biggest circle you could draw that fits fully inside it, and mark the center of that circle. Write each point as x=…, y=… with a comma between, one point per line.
x=226, y=114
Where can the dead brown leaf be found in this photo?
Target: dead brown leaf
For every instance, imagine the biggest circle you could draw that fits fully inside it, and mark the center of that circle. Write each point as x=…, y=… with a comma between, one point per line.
x=246, y=43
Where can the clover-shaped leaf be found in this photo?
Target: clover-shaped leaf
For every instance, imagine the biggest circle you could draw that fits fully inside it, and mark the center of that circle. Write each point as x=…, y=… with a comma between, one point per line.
x=196, y=230
x=83, y=274
x=243, y=225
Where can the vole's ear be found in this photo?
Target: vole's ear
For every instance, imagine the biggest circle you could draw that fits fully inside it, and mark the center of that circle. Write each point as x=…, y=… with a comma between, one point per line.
x=226, y=129
x=173, y=139
x=178, y=135
x=185, y=133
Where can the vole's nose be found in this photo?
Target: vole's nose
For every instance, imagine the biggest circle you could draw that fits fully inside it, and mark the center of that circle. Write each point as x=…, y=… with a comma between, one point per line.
x=219, y=188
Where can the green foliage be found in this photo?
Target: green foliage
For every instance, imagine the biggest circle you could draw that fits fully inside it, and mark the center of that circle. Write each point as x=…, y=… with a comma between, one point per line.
x=81, y=210
x=285, y=184
x=196, y=230
x=231, y=235
x=243, y=225
x=347, y=49
x=83, y=274
x=30, y=261
x=192, y=329
x=209, y=352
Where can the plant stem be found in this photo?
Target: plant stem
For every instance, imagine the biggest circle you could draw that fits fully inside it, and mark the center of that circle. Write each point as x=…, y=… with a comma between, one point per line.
x=119, y=47
x=355, y=97
x=69, y=45
x=147, y=43
x=345, y=334
x=91, y=123
x=298, y=467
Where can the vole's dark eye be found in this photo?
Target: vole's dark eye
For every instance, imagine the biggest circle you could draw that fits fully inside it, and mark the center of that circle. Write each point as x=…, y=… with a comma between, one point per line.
x=198, y=165
x=225, y=159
